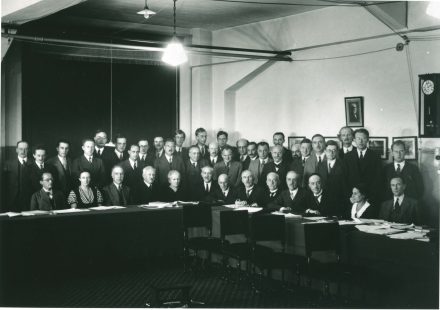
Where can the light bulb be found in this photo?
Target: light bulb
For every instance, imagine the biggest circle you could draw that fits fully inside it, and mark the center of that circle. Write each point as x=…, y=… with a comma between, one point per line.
x=174, y=54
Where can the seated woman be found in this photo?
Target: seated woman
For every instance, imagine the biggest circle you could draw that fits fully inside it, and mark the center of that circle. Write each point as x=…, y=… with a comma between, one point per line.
x=174, y=191
x=84, y=196
x=361, y=208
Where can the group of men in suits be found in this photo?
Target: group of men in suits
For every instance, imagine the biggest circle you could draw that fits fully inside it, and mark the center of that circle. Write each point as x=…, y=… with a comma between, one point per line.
x=316, y=176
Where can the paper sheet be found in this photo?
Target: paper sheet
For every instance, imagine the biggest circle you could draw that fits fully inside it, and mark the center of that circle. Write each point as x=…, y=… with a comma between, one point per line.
x=10, y=214
x=70, y=211
x=288, y=215
x=378, y=229
x=249, y=209
x=408, y=235
x=102, y=208
x=35, y=212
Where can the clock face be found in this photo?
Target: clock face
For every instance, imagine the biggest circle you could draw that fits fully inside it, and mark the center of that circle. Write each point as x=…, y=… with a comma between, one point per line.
x=428, y=87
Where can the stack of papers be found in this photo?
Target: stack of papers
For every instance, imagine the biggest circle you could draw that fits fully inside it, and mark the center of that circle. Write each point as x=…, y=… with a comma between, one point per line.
x=70, y=211
x=383, y=229
x=10, y=214
x=160, y=204
x=186, y=203
x=249, y=209
x=102, y=208
x=35, y=212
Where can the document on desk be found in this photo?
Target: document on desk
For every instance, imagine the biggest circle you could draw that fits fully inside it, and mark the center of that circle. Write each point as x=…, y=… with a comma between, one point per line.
x=232, y=206
x=187, y=203
x=410, y=235
x=70, y=211
x=160, y=204
x=10, y=214
x=314, y=218
x=378, y=229
x=288, y=215
x=346, y=222
x=102, y=208
x=35, y=212
x=249, y=209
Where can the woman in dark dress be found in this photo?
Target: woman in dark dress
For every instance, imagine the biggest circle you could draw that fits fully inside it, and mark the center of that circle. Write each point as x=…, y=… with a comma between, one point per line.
x=175, y=190
x=84, y=196
x=361, y=208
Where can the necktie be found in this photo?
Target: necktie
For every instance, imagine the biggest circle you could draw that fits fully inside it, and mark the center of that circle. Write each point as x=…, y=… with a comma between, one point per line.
x=41, y=166
x=272, y=195
x=241, y=157
x=170, y=161
x=143, y=158
x=206, y=188
x=248, y=193
x=292, y=195
x=134, y=165
x=227, y=168
x=120, y=156
x=195, y=165
x=261, y=167
x=396, y=205
x=24, y=160
x=319, y=159
x=304, y=161
x=277, y=167
x=90, y=159
x=99, y=152
x=202, y=151
x=361, y=156
x=329, y=168
x=398, y=169
x=213, y=161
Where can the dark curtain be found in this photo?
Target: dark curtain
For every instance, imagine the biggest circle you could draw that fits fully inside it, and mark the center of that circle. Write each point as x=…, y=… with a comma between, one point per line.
x=70, y=98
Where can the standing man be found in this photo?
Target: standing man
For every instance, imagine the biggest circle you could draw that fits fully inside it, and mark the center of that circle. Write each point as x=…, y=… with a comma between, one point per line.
x=231, y=168
x=158, y=146
x=243, y=157
x=201, y=136
x=179, y=138
x=193, y=168
x=62, y=166
x=38, y=167
x=278, y=165
x=168, y=162
x=132, y=168
x=118, y=155
x=297, y=164
x=89, y=162
x=213, y=154
x=17, y=180
x=252, y=151
x=222, y=140
x=47, y=198
x=363, y=166
x=346, y=135
x=256, y=166
x=116, y=193
x=279, y=139
x=101, y=150
x=317, y=157
x=145, y=158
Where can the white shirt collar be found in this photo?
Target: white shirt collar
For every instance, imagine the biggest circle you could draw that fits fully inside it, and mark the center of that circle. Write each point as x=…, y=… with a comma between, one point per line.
x=192, y=162
x=62, y=158
x=331, y=162
x=348, y=149
x=402, y=164
x=361, y=211
x=263, y=160
x=253, y=158
x=274, y=191
x=361, y=151
x=319, y=194
x=226, y=192
x=132, y=161
x=322, y=156
x=168, y=157
x=148, y=184
x=401, y=197
x=21, y=160
x=97, y=148
x=117, y=185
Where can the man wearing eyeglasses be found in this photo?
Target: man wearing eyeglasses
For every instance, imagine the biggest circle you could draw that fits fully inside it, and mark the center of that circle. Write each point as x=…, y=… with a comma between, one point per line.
x=47, y=198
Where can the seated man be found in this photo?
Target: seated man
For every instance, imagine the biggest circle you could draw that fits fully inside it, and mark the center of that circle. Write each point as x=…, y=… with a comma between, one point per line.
x=317, y=202
x=400, y=209
x=249, y=192
x=116, y=193
x=174, y=191
x=231, y=168
x=47, y=198
x=205, y=189
x=272, y=191
x=292, y=199
x=225, y=193
x=147, y=190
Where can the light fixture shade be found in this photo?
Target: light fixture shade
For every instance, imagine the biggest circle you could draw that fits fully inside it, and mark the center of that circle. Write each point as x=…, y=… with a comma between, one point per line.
x=146, y=12
x=174, y=54
x=433, y=9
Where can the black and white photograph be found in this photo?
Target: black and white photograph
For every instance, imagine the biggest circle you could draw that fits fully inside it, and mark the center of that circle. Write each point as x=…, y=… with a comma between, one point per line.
x=220, y=154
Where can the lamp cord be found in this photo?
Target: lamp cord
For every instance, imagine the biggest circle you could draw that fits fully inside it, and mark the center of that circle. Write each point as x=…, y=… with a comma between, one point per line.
x=174, y=15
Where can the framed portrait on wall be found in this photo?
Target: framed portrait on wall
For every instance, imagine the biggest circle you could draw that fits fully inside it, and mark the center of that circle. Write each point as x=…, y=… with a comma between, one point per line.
x=411, y=149
x=354, y=111
x=294, y=140
x=379, y=145
x=336, y=139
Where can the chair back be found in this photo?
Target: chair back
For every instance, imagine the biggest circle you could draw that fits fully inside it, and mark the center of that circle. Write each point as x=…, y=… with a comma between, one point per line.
x=322, y=237
x=268, y=227
x=196, y=216
x=234, y=223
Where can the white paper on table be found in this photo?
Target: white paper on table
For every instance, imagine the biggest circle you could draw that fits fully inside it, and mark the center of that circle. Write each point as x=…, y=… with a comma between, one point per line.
x=288, y=215
x=345, y=222
x=35, y=212
x=249, y=209
x=378, y=229
x=70, y=211
x=233, y=206
x=160, y=204
x=372, y=221
x=101, y=208
x=10, y=214
x=191, y=203
x=314, y=218
x=119, y=207
x=408, y=235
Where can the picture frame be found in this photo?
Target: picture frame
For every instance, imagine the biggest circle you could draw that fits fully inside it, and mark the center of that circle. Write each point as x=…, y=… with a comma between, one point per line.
x=354, y=111
x=294, y=140
x=336, y=139
x=410, y=146
x=379, y=145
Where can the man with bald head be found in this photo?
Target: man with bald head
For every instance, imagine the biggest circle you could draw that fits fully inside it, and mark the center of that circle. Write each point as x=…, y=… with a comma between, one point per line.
x=225, y=193
x=346, y=136
x=147, y=190
x=249, y=192
x=278, y=165
x=243, y=157
x=319, y=202
x=292, y=199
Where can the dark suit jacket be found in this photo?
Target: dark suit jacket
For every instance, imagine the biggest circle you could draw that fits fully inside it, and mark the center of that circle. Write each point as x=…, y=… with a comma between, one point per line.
x=219, y=160
x=333, y=184
x=105, y=153
x=245, y=163
x=131, y=176
x=297, y=205
x=234, y=171
x=325, y=207
x=206, y=152
x=183, y=153
x=17, y=185
x=341, y=153
x=193, y=174
x=367, y=171
x=408, y=213
x=110, y=159
x=254, y=168
x=148, y=161
x=35, y=175
x=256, y=196
x=312, y=166
x=283, y=168
x=63, y=177
x=297, y=165
x=96, y=168
x=163, y=167
x=199, y=193
x=267, y=200
x=142, y=194
x=40, y=201
x=229, y=199
x=168, y=195
x=111, y=195
x=413, y=179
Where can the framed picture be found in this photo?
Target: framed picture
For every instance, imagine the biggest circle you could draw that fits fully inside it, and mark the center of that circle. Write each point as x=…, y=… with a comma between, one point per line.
x=410, y=146
x=354, y=111
x=294, y=140
x=380, y=146
x=336, y=139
